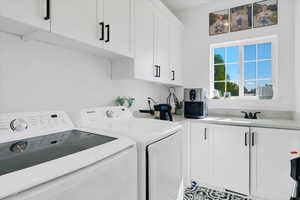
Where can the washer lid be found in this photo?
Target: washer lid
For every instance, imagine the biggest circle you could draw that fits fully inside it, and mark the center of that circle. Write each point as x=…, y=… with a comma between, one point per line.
x=29, y=152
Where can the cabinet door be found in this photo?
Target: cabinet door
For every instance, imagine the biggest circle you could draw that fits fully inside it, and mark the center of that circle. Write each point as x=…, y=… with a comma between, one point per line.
x=75, y=19
x=162, y=46
x=117, y=18
x=200, y=152
x=31, y=12
x=144, y=39
x=100, y=23
x=175, y=53
x=230, y=158
x=270, y=168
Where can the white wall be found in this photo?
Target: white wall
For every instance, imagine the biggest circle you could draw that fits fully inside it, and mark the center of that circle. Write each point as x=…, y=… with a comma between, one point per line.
x=197, y=46
x=36, y=76
x=297, y=58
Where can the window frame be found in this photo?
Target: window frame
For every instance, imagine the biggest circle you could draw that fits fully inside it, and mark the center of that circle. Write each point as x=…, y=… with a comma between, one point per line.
x=241, y=43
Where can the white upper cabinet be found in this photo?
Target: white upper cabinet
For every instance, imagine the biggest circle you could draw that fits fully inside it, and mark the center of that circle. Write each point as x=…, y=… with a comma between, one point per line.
x=161, y=47
x=230, y=158
x=270, y=166
x=117, y=19
x=102, y=23
x=175, y=52
x=157, y=57
x=141, y=37
x=29, y=12
x=95, y=25
x=144, y=40
x=75, y=19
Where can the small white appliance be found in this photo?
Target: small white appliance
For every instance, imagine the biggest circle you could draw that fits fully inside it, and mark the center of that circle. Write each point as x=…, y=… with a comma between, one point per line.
x=43, y=157
x=265, y=92
x=160, y=148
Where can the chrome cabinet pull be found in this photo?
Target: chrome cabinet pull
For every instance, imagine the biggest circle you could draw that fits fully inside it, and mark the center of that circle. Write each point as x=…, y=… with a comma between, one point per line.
x=205, y=133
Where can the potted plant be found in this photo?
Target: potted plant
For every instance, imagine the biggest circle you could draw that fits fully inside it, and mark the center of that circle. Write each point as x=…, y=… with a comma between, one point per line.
x=125, y=101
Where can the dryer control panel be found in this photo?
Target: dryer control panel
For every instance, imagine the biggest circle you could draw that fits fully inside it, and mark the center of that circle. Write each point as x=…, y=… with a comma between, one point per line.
x=102, y=113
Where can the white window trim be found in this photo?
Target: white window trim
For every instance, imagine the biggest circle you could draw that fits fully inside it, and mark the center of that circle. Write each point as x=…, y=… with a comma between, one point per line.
x=269, y=39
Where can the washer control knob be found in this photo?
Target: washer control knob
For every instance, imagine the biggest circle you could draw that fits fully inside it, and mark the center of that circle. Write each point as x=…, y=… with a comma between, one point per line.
x=18, y=125
x=109, y=113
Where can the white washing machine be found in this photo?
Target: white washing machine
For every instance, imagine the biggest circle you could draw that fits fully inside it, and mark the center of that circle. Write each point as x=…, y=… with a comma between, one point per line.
x=43, y=157
x=159, y=148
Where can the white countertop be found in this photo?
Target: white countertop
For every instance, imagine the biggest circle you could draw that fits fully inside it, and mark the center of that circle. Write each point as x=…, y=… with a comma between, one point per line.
x=234, y=121
x=262, y=123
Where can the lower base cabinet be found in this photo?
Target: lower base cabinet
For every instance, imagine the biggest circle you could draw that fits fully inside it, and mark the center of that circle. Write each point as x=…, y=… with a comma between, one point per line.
x=230, y=158
x=250, y=161
x=270, y=162
x=220, y=156
x=199, y=153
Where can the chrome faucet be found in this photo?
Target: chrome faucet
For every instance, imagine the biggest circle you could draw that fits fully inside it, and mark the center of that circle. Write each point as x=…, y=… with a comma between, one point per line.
x=250, y=115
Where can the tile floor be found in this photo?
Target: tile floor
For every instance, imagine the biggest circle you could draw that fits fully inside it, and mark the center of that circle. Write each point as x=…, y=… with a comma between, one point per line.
x=202, y=193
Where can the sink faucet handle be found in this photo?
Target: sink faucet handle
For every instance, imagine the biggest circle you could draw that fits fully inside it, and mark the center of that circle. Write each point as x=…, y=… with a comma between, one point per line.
x=255, y=115
x=246, y=116
x=251, y=115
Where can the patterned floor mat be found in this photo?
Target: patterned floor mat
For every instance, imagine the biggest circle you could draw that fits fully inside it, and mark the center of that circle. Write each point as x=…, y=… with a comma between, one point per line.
x=202, y=193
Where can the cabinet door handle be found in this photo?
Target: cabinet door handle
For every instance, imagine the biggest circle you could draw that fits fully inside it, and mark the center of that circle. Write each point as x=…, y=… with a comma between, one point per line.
x=107, y=26
x=246, y=139
x=48, y=10
x=205, y=134
x=173, y=75
x=253, y=139
x=158, y=71
x=102, y=31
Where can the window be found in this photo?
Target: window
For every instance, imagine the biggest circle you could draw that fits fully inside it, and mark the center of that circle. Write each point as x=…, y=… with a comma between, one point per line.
x=243, y=69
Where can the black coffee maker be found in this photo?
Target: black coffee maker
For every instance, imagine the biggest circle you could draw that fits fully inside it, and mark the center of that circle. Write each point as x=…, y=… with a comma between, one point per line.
x=195, y=103
x=295, y=174
x=163, y=112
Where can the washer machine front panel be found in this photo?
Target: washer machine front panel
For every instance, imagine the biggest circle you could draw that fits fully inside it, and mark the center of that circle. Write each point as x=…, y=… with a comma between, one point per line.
x=18, y=155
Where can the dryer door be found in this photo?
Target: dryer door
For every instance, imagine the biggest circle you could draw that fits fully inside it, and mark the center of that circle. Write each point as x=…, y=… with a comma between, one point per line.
x=165, y=179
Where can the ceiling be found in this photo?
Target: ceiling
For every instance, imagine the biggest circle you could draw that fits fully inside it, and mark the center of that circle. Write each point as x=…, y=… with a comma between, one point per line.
x=177, y=5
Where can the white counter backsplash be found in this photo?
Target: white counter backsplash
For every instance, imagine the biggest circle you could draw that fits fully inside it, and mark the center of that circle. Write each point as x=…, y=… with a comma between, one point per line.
x=35, y=76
